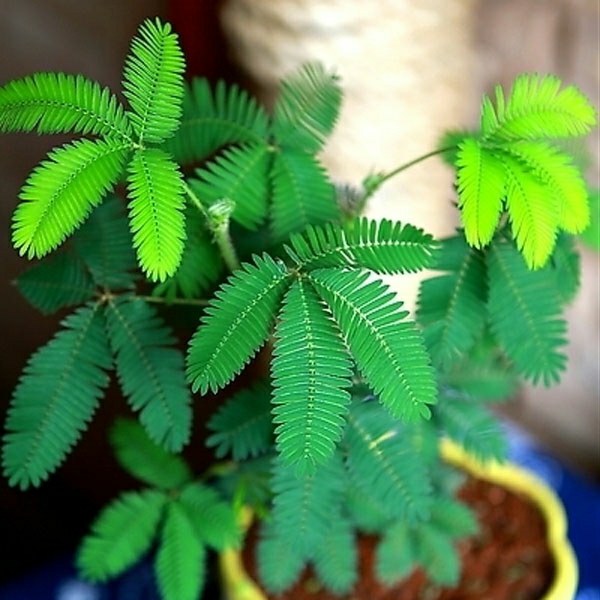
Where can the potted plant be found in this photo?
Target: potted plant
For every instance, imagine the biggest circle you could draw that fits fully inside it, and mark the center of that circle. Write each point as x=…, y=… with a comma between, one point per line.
x=332, y=400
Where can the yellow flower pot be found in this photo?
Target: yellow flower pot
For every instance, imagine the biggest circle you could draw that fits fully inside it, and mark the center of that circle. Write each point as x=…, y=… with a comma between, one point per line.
x=239, y=586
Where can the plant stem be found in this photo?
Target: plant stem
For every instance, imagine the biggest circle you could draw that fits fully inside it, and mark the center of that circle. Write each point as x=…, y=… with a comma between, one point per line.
x=374, y=182
x=217, y=218
x=180, y=301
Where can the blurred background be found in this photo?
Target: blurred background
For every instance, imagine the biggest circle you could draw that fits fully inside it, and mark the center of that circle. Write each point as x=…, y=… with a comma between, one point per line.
x=409, y=72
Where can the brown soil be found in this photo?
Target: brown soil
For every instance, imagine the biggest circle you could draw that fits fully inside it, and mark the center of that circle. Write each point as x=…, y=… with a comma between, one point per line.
x=508, y=559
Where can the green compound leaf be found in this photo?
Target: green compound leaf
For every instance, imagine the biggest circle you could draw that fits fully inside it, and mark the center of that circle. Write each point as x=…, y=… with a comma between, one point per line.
x=247, y=303
x=240, y=174
x=302, y=194
x=121, y=534
x=59, y=103
x=153, y=82
x=242, y=426
x=537, y=107
x=151, y=371
x=144, y=459
x=56, y=398
x=61, y=192
x=214, y=118
x=155, y=189
x=396, y=555
x=481, y=187
x=388, y=350
x=452, y=307
x=380, y=246
x=525, y=314
x=591, y=235
x=312, y=373
x=180, y=565
x=307, y=108
x=58, y=281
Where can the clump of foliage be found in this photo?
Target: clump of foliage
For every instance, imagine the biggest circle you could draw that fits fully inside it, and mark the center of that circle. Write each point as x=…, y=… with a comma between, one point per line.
x=192, y=195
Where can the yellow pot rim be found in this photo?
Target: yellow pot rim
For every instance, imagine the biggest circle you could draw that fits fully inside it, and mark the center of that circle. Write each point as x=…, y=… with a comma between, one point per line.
x=239, y=586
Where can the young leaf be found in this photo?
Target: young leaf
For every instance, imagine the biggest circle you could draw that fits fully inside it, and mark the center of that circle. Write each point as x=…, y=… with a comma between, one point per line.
x=121, y=534
x=388, y=350
x=214, y=521
x=307, y=108
x=239, y=174
x=59, y=103
x=311, y=373
x=380, y=246
x=55, y=399
x=565, y=263
x=384, y=462
x=452, y=307
x=481, y=183
x=212, y=119
x=144, y=459
x=248, y=302
x=153, y=82
x=396, y=554
x=535, y=108
x=155, y=189
x=61, y=192
x=438, y=555
x=242, y=426
x=180, y=560
x=104, y=244
x=302, y=194
x=452, y=518
x=525, y=314
x=150, y=370
x=59, y=280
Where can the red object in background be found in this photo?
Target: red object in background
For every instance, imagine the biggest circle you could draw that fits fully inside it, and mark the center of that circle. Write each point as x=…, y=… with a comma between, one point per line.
x=197, y=23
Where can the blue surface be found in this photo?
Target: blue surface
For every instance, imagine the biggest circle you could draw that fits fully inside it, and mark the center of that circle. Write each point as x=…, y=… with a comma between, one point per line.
x=581, y=499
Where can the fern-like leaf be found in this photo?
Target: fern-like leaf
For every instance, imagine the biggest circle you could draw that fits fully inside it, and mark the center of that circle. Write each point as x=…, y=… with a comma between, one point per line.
x=200, y=265
x=144, y=459
x=383, y=461
x=302, y=194
x=480, y=181
x=307, y=108
x=565, y=263
x=304, y=508
x=246, y=303
x=452, y=307
x=180, y=559
x=242, y=426
x=212, y=119
x=388, y=350
x=155, y=188
x=213, y=520
x=396, y=554
x=153, y=82
x=537, y=107
x=563, y=184
x=280, y=562
x=59, y=103
x=55, y=399
x=380, y=246
x=150, y=370
x=121, y=534
x=336, y=558
x=58, y=281
x=104, y=244
x=471, y=425
x=311, y=373
x=241, y=175
x=525, y=314
x=60, y=193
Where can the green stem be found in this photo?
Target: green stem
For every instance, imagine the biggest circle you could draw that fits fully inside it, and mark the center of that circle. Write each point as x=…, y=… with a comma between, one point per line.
x=218, y=223
x=180, y=301
x=375, y=182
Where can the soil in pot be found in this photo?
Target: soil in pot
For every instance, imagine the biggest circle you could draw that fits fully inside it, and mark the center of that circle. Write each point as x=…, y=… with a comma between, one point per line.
x=508, y=559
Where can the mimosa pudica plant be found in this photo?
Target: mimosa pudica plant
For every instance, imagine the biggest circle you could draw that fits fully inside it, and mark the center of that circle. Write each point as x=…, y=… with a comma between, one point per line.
x=184, y=194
